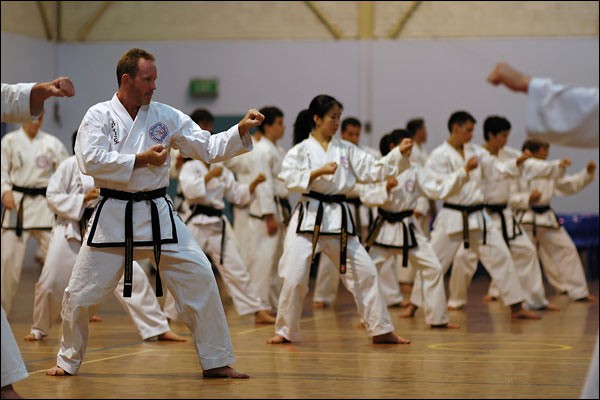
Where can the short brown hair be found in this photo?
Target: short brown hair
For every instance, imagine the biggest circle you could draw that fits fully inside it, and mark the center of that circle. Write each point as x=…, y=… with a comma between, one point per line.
x=128, y=64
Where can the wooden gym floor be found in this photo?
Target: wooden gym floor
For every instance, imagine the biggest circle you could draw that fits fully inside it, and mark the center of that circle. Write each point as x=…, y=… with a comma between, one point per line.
x=491, y=356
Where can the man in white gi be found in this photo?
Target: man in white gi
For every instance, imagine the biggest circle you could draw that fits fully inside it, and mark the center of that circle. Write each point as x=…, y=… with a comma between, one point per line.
x=531, y=199
x=548, y=104
x=397, y=232
x=29, y=157
x=496, y=193
x=324, y=169
x=71, y=196
x=204, y=186
x=124, y=145
x=19, y=103
x=269, y=210
x=463, y=225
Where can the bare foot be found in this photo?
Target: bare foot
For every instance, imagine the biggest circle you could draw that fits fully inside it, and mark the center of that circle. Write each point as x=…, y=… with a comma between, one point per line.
x=489, y=298
x=551, y=307
x=33, y=337
x=263, y=317
x=524, y=314
x=278, y=339
x=449, y=325
x=171, y=336
x=409, y=312
x=57, y=371
x=390, y=338
x=8, y=392
x=224, y=372
x=453, y=308
x=95, y=318
x=404, y=303
x=588, y=299
x=319, y=304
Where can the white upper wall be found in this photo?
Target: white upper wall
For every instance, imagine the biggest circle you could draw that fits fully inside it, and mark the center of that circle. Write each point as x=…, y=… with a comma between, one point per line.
x=409, y=78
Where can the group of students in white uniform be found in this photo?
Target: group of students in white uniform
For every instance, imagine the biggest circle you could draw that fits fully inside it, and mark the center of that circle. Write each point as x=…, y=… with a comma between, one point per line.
x=496, y=210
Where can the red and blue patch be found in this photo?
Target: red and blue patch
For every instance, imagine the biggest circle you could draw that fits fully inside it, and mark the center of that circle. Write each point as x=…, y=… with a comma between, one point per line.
x=158, y=132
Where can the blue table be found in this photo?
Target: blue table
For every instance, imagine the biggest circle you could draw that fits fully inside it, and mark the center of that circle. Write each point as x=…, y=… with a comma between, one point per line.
x=583, y=229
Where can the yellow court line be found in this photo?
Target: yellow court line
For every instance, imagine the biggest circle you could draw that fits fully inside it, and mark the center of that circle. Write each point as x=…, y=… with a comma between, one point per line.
x=272, y=326
x=449, y=346
x=101, y=359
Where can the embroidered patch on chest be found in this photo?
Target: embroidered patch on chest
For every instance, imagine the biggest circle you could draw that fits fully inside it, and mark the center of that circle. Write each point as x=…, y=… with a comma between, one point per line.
x=158, y=132
x=42, y=161
x=345, y=162
x=409, y=185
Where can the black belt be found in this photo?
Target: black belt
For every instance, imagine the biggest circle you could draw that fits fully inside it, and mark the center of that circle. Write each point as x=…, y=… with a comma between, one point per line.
x=393, y=217
x=539, y=210
x=26, y=192
x=466, y=210
x=130, y=198
x=83, y=222
x=341, y=200
x=198, y=209
x=286, y=208
x=355, y=201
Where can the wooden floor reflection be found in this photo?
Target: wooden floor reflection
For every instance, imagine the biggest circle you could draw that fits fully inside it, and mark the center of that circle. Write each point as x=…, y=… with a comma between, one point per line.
x=489, y=357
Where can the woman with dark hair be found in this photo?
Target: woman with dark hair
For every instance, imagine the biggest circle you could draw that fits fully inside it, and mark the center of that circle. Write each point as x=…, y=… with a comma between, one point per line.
x=324, y=169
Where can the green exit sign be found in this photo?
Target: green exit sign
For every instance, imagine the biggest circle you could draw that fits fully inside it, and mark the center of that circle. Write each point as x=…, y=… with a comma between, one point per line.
x=204, y=87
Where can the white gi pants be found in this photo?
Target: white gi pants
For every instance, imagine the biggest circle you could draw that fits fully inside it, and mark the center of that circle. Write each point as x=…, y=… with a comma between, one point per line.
x=430, y=293
x=187, y=274
x=560, y=260
x=360, y=279
x=241, y=228
x=233, y=270
x=263, y=261
x=527, y=268
x=13, y=367
x=327, y=282
x=13, y=254
x=142, y=306
x=494, y=256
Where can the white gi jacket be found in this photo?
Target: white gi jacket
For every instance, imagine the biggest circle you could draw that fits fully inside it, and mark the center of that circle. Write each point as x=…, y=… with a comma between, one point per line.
x=107, y=142
x=268, y=157
x=66, y=191
x=29, y=163
x=413, y=183
x=444, y=160
x=549, y=186
x=419, y=156
x=210, y=194
x=563, y=115
x=353, y=165
x=15, y=102
x=498, y=191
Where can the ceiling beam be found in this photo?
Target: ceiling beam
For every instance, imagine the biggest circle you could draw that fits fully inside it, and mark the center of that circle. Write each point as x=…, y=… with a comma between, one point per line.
x=397, y=28
x=87, y=27
x=366, y=11
x=335, y=32
x=45, y=21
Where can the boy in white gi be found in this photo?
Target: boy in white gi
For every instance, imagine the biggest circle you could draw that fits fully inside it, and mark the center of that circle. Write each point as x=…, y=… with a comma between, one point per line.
x=72, y=196
x=29, y=157
x=269, y=210
x=19, y=103
x=463, y=225
x=324, y=169
x=496, y=193
x=204, y=186
x=396, y=230
x=558, y=255
x=124, y=145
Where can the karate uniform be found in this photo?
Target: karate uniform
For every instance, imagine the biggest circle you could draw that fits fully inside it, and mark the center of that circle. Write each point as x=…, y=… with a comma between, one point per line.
x=557, y=252
x=476, y=234
x=107, y=143
x=15, y=108
x=26, y=164
x=561, y=114
x=496, y=193
x=396, y=231
x=270, y=197
x=353, y=165
x=66, y=190
x=214, y=233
